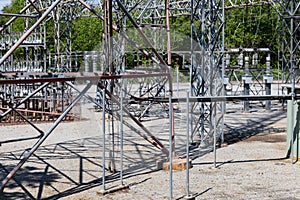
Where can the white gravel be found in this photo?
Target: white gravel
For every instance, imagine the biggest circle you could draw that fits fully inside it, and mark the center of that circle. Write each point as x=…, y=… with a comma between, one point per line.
x=69, y=163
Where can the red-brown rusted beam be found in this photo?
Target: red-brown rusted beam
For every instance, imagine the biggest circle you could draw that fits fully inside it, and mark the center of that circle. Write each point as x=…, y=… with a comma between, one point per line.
x=77, y=78
x=38, y=112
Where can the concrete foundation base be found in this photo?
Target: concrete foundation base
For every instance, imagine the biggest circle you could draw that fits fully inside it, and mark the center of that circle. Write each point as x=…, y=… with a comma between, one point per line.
x=177, y=164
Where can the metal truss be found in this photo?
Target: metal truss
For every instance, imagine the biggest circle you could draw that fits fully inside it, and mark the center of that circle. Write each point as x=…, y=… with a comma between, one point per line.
x=109, y=83
x=289, y=11
x=207, y=60
x=148, y=136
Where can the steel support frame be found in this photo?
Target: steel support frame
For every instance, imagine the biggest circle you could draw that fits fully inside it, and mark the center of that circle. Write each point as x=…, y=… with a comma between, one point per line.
x=148, y=136
x=206, y=77
x=290, y=14
x=290, y=17
x=41, y=140
x=112, y=64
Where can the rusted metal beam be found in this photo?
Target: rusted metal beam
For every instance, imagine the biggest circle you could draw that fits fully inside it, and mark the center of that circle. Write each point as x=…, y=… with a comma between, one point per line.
x=36, y=111
x=78, y=78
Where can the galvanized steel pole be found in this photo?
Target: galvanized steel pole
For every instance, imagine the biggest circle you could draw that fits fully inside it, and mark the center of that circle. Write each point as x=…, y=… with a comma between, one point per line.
x=293, y=86
x=187, y=142
x=223, y=69
x=215, y=134
x=121, y=133
x=171, y=146
x=103, y=139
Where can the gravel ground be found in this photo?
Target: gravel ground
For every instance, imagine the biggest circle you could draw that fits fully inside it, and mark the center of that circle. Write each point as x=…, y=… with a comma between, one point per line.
x=251, y=164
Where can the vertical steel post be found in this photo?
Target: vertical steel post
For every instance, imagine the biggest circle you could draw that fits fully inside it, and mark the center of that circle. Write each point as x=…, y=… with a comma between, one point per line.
x=62, y=96
x=293, y=84
x=268, y=82
x=268, y=92
x=177, y=80
x=187, y=142
x=293, y=118
x=121, y=133
x=86, y=62
x=191, y=59
x=45, y=49
x=103, y=139
x=171, y=146
x=214, y=112
x=169, y=61
x=246, y=92
x=223, y=70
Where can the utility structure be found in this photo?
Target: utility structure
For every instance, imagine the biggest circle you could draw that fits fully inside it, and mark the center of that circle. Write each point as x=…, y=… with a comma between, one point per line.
x=207, y=60
x=288, y=11
x=255, y=80
x=206, y=76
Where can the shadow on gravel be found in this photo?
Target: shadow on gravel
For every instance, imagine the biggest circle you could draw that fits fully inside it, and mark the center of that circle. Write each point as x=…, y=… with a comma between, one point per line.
x=241, y=126
x=66, y=168
x=19, y=139
x=27, y=177
x=219, y=164
x=251, y=124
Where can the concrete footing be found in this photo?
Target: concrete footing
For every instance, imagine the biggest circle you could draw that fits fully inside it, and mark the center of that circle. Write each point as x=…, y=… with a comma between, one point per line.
x=177, y=164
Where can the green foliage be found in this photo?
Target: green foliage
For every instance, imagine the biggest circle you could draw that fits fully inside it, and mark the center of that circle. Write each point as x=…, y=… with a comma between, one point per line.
x=86, y=34
x=183, y=75
x=251, y=27
x=130, y=60
x=50, y=36
x=181, y=24
x=14, y=7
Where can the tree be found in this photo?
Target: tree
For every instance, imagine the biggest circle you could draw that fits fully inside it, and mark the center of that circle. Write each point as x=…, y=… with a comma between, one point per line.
x=14, y=7
x=253, y=26
x=86, y=34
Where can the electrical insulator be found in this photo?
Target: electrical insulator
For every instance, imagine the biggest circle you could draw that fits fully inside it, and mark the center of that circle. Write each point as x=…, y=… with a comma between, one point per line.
x=227, y=60
x=255, y=59
x=268, y=64
x=241, y=60
x=247, y=65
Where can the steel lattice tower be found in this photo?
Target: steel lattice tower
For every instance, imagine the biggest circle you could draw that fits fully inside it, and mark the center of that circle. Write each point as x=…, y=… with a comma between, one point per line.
x=206, y=53
x=206, y=65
